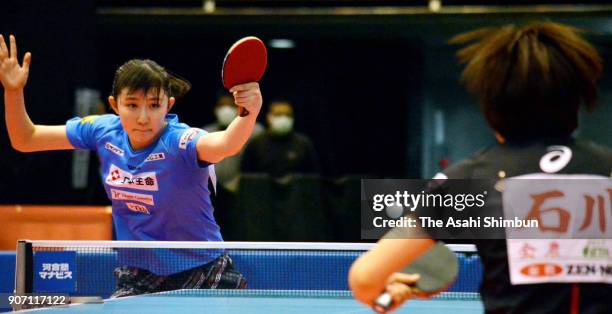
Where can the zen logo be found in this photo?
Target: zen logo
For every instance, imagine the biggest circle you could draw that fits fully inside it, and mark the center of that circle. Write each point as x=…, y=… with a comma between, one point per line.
x=156, y=156
x=140, y=181
x=114, y=149
x=187, y=137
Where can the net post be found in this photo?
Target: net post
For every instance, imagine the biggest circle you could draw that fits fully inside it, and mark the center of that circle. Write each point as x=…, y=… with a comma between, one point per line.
x=24, y=261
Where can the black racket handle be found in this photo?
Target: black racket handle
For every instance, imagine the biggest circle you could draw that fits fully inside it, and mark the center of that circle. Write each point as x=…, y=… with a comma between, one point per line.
x=242, y=111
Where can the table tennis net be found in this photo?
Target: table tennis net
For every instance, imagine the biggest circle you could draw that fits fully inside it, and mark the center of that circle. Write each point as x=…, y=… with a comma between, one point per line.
x=86, y=268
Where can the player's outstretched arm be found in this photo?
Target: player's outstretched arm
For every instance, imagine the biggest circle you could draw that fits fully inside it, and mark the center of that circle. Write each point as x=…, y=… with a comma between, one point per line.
x=25, y=136
x=372, y=272
x=215, y=146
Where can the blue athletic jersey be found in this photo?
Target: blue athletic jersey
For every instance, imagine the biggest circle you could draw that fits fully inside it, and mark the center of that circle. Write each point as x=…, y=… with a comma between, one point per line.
x=157, y=193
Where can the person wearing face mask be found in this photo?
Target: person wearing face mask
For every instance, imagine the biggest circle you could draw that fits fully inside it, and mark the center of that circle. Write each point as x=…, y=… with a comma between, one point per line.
x=228, y=170
x=280, y=151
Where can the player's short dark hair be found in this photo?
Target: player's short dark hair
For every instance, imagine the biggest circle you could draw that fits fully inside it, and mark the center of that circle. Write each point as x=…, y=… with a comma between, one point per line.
x=146, y=75
x=530, y=80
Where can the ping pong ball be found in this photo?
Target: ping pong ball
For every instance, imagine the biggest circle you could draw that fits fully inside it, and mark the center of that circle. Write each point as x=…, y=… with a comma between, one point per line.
x=394, y=211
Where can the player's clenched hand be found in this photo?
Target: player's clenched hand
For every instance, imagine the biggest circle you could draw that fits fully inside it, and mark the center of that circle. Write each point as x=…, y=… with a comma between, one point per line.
x=398, y=287
x=248, y=96
x=12, y=75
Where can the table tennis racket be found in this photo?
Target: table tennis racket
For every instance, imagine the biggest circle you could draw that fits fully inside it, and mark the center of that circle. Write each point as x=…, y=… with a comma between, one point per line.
x=244, y=62
x=438, y=269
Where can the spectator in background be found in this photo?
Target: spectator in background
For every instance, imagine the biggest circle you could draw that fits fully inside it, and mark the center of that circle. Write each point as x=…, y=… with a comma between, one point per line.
x=228, y=170
x=280, y=151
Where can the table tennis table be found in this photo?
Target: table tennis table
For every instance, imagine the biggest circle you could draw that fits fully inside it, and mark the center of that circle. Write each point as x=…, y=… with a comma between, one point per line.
x=258, y=301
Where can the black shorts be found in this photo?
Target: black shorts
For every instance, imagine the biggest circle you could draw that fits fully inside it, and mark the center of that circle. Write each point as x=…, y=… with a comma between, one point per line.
x=218, y=274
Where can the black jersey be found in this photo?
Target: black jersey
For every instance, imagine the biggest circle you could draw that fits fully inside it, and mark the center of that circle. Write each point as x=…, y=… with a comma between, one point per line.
x=514, y=159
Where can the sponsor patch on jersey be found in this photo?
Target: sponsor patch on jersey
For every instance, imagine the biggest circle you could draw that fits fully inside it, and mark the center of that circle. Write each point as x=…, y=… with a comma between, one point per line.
x=89, y=119
x=536, y=261
x=134, y=197
x=156, y=156
x=140, y=181
x=187, y=137
x=542, y=270
x=138, y=208
x=114, y=148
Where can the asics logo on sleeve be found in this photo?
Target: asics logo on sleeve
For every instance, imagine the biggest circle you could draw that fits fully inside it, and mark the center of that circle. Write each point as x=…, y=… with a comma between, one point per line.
x=556, y=159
